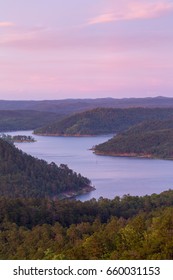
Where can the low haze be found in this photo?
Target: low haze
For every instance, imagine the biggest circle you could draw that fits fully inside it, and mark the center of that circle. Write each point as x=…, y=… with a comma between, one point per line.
x=53, y=49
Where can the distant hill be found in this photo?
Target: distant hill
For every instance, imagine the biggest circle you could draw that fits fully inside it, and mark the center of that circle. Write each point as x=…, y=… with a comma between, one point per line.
x=69, y=106
x=24, y=176
x=25, y=115
x=103, y=121
x=25, y=120
x=148, y=139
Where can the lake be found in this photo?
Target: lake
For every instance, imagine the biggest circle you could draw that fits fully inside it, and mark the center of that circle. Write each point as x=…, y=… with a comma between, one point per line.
x=111, y=176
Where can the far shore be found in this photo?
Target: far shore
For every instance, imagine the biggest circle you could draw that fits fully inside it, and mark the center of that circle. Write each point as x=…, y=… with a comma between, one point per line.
x=66, y=135
x=130, y=155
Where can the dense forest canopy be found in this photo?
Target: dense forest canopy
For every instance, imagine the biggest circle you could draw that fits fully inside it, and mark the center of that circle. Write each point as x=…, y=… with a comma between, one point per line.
x=36, y=223
x=22, y=175
x=103, y=121
x=69, y=106
x=148, y=139
x=25, y=120
x=62, y=117
x=130, y=227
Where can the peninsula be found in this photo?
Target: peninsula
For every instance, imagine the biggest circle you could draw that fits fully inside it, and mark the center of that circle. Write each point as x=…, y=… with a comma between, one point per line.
x=151, y=139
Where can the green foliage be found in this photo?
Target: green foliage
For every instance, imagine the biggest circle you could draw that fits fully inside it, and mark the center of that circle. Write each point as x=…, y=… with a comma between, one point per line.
x=103, y=121
x=25, y=120
x=148, y=139
x=22, y=175
x=134, y=228
x=17, y=138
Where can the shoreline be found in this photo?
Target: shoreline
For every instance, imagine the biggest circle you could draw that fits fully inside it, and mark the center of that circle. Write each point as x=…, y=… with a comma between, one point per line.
x=130, y=155
x=73, y=194
x=66, y=135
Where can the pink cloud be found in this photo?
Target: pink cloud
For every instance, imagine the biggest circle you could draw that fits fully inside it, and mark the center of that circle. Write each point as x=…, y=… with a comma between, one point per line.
x=134, y=10
x=102, y=18
x=22, y=38
x=40, y=39
x=6, y=24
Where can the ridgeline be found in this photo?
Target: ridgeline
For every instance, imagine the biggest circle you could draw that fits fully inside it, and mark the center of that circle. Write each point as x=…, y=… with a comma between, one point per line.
x=150, y=139
x=103, y=121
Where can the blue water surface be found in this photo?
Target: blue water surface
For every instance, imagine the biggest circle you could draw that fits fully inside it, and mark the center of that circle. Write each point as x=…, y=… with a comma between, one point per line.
x=111, y=176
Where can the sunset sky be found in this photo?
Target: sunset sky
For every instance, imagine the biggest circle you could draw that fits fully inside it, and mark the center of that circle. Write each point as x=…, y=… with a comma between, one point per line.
x=57, y=49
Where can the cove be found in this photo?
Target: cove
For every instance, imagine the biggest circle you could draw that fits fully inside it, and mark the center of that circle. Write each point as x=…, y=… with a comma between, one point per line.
x=110, y=175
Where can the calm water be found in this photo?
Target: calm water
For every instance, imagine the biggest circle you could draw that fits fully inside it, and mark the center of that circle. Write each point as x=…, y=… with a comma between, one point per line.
x=110, y=175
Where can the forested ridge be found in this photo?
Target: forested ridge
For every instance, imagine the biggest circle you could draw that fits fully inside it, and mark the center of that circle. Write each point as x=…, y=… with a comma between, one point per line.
x=148, y=139
x=92, y=122
x=130, y=227
x=11, y=120
x=69, y=106
x=103, y=121
x=36, y=224
x=22, y=175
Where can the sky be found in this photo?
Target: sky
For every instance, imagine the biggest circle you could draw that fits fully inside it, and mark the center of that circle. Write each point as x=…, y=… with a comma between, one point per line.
x=58, y=49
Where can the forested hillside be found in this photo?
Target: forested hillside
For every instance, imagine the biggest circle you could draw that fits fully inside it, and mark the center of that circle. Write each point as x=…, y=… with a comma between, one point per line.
x=103, y=121
x=36, y=223
x=69, y=106
x=29, y=115
x=126, y=228
x=148, y=139
x=25, y=120
x=22, y=175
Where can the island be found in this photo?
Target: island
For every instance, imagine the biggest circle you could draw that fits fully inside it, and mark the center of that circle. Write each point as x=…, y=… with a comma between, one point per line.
x=17, y=138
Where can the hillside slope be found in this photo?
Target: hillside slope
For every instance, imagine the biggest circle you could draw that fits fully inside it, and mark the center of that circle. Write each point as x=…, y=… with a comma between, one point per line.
x=124, y=228
x=103, y=121
x=148, y=139
x=24, y=120
x=22, y=175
